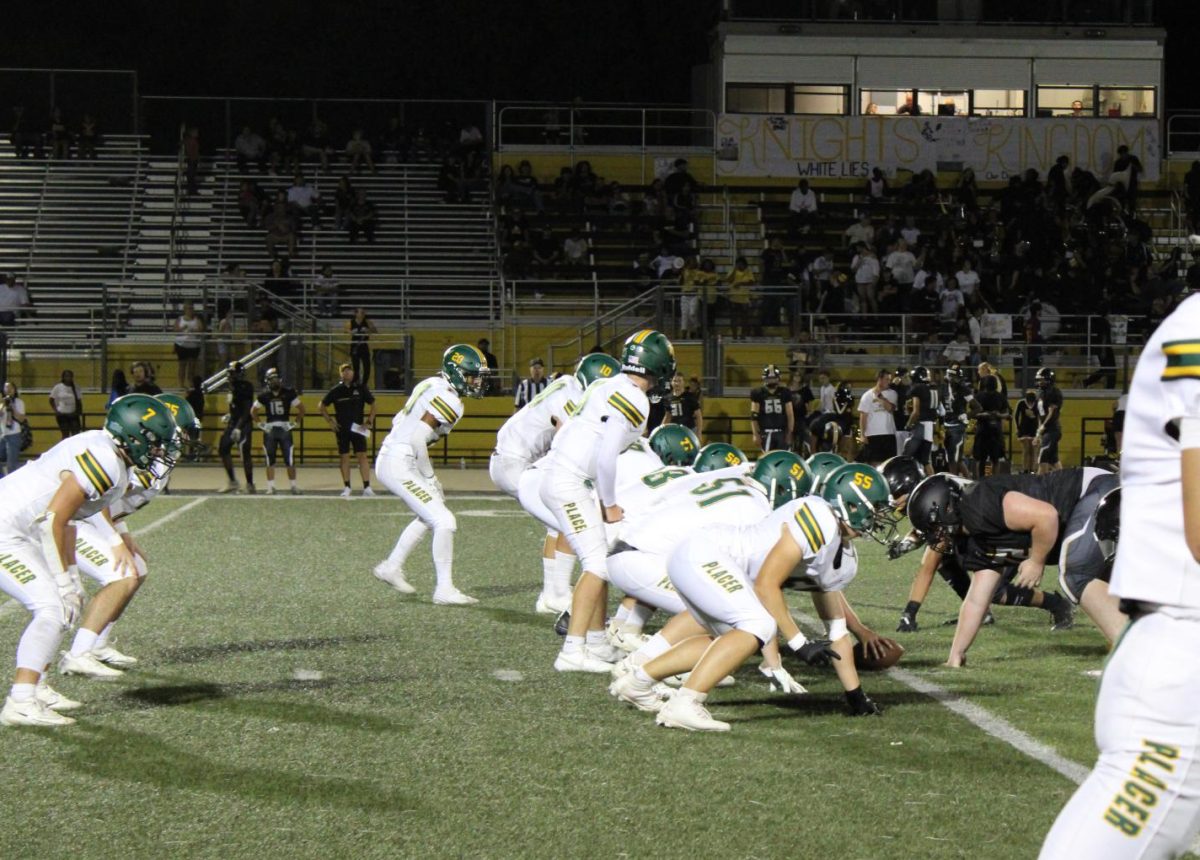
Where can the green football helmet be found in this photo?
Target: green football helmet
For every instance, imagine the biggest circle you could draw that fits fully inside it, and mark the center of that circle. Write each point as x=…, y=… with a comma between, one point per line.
x=188, y=424
x=648, y=353
x=821, y=465
x=717, y=455
x=464, y=367
x=596, y=365
x=859, y=497
x=674, y=444
x=784, y=476
x=144, y=429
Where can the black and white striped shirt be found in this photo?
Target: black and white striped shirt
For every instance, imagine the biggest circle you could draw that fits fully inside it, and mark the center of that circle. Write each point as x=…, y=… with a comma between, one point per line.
x=527, y=390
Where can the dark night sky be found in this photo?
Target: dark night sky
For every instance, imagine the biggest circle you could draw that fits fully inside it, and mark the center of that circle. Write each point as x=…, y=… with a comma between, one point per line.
x=620, y=50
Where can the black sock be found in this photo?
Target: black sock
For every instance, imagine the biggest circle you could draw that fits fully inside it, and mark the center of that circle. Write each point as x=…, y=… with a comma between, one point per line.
x=347, y=483
x=1052, y=601
x=365, y=484
x=912, y=609
x=229, y=472
x=249, y=474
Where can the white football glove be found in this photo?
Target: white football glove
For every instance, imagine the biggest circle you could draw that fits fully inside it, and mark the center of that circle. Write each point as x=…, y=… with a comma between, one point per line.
x=780, y=680
x=292, y=425
x=225, y=418
x=70, y=591
x=262, y=425
x=236, y=435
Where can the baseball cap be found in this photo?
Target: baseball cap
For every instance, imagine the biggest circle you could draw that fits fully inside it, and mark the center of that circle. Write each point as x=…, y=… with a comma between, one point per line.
x=343, y=367
x=537, y=362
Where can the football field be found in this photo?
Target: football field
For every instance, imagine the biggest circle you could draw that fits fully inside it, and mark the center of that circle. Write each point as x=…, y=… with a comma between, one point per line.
x=287, y=703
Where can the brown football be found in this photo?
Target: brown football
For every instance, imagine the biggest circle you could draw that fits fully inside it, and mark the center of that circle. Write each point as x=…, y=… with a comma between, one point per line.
x=889, y=659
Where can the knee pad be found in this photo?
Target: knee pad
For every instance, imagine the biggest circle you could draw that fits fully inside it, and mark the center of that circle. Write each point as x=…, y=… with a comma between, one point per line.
x=49, y=619
x=444, y=521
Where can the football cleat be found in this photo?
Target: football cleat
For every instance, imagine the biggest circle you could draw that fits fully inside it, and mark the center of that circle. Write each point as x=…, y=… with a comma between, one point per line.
x=113, y=657
x=606, y=652
x=295, y=491
x=31, y=713
x=345, y=494
x=54, y=700
x=547, y=605
x=680, y=680
x=988, y=620
x=623, y=667
x=1064, y=618
x=231, y=487
x=86, y=664
x=644, y=697
x=908, y=624
x=580, y=661
x=627, y=640
x=452, y=597
x=250, y=490
x=368, y=492
x=684, y=712
x=562, y=622
x=270, y=491
x=394, y=577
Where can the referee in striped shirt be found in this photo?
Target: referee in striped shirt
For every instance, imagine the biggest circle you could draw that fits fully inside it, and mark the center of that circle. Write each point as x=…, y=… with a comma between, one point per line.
x=532, y=386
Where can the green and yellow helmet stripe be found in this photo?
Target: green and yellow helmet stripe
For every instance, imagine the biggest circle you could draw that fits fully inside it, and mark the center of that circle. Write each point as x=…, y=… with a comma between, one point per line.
x=627, y=409
x=96, y=474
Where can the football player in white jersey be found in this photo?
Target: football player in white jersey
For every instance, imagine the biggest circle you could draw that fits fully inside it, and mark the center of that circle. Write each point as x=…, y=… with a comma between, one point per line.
x=611, y=415
x=731, y=579
x=523, y=440
x=90, y=653
x=403, y=466
x=1142, y=798
x=79, y=478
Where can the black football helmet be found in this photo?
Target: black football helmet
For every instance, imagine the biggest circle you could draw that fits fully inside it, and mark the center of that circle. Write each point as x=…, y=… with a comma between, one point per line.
x=902, y=475
x=771, y=372
x=273, y=379
x=236, y=370
x=954, y=373
x=844, y=395
x=934, y=509
x=1045, y=377
x=900, y=373
x=920, y=374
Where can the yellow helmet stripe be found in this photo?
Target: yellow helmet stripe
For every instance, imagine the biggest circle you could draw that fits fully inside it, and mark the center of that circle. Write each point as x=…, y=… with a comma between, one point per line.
x=641, y=335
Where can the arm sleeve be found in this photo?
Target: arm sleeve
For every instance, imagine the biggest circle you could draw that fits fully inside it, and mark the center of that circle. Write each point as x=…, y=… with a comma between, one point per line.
x=612, y=442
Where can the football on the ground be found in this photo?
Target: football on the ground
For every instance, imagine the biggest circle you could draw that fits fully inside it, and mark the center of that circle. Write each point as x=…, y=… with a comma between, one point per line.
x=890, y=658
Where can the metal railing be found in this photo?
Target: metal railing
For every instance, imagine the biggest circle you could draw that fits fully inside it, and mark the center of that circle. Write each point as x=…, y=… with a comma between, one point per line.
x=1183, y=133
x=1121, y=12
x=109, y=95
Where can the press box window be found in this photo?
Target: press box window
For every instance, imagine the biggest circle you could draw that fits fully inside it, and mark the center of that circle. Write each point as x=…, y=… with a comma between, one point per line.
x=749, y=98
x=820, y=99
x=998, y=103
x=1096, y=101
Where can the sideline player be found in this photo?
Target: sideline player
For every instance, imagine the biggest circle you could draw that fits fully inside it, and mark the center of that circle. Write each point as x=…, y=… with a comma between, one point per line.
x=522, y=441
x=403, y=465
x=79, y=478
x=772, y=415
x=611, y=415
x=278, y=401
x=956, y=397
x=237, y=428
x=349, y=399
x=1049, y=432
x=1142, y=798
x=922, y=408
x=90, y=652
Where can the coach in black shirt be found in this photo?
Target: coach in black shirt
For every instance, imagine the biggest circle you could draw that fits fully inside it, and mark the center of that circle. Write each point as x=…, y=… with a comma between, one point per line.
x=349, y=399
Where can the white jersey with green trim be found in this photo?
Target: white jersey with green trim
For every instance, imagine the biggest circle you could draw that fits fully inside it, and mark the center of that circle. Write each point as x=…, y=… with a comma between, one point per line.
x=615, y=399
x=684, y=504
x=811, y=523
x=433, y=396
x=527, y=435
x=1153, y=561
x=91, y=457
x=635, y=462
x=142, y=489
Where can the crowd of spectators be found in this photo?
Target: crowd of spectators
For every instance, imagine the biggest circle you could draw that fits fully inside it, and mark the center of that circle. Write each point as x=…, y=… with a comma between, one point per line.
x=62, y=137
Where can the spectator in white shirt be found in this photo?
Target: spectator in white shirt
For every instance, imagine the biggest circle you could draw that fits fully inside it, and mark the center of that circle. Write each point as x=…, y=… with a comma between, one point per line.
x=877, y=186
x=865, y=266
x=876, y=424
x=250, y=146
x=67, y=405
x=13, y=299
x=975, y=333
x=304, y=200
x=12, y=413
x=803, y=207
x=968, y=279
x=952, y=300
x=958, y=350
x=575, y=249
x=923, y=274
x=902, y=264
x=910, y=231
x=858, y=232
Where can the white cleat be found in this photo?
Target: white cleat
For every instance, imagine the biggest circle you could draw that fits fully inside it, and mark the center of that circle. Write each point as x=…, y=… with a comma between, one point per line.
x=637, y=693
x=684, y=712
x=452, y=597
x=231, y=487
x=110, y=655
x=551, y=605
x=270, y=491
x=394, y=577
x=627, y=640
x=623, y=667
x=680, y=680
x=368, y=492
x=54, y=700
x=86, y=664
x=580, y=661
x=31, y=713
x=345, y=492
x=295, y=491
x=606, y=652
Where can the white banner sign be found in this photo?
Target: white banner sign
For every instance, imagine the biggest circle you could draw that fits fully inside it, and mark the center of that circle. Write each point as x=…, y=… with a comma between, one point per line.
x=995, y=327
x=848, y=147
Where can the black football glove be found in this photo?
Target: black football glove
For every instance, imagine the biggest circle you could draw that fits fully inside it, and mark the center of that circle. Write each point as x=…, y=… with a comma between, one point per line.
x=817, y=652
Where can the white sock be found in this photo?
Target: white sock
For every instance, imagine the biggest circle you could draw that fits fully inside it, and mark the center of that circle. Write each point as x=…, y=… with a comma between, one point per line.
x=643, y=677
x=102, y=637
x=564, y=566
x=409, y=538
x=292, y=481
x=638, y=616
x=622, y=614
x=571, y=644
x=443, y=557
x=685, y=693
x=23, y=692
x=596, y=637
x=85, y=640
x=656, y=645
x=40, y=640
x=270, y=484
x=548, y=570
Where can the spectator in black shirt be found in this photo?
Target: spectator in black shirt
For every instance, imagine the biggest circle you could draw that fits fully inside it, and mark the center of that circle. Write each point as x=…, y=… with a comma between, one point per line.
x=143, y=379
x=347, y=399
x=238, y=428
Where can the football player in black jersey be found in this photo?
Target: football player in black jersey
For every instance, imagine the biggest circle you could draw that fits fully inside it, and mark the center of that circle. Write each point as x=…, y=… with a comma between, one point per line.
x=685, y=408
x=956, y=398
x=275, y=403
x=1004, y=530
x=771, y=417
x=1049, y=409
x=921, y=407
x=237, y=427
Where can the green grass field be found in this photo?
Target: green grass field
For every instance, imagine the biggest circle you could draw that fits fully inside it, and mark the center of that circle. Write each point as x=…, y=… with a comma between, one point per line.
x=415, y=741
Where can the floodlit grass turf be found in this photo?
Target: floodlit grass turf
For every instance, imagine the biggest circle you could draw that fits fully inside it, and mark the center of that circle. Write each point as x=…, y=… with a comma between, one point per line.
x=409, y=745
